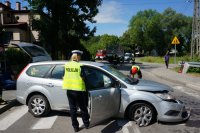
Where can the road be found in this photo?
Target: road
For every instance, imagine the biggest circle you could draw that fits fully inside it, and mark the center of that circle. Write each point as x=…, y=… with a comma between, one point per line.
x=191, y=98
x=18, y=120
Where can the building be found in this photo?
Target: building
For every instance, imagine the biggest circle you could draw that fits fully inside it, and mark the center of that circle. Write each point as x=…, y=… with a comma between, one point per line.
x=16, y=23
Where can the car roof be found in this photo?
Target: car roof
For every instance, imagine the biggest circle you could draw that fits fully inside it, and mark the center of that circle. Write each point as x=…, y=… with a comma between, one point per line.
x=21, y=44
x=91, y=63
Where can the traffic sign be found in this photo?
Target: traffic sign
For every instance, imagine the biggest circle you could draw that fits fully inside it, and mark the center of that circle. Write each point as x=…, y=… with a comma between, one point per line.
x=175, y=41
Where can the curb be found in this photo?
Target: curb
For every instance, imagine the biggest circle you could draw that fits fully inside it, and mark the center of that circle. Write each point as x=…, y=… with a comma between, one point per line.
x=6, y=107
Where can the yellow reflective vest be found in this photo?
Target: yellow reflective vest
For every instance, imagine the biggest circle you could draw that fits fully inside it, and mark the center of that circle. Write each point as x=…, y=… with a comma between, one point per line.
x=72, y=79
x=136, y=67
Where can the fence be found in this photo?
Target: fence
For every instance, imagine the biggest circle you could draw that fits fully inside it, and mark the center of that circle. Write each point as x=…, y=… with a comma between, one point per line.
x=187, y=65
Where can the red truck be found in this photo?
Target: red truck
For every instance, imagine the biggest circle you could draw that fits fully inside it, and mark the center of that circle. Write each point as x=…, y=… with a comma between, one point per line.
x=101, y=54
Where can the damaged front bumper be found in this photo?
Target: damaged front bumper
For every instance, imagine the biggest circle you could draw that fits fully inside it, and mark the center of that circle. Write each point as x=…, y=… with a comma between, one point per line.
x=173, y=111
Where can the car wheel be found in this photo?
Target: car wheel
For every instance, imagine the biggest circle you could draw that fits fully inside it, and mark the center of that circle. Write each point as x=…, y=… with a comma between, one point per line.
x=38, y=105
x=143, y=114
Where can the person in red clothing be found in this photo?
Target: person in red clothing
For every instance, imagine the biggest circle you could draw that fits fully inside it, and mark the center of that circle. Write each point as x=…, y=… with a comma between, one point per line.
x=135, y=70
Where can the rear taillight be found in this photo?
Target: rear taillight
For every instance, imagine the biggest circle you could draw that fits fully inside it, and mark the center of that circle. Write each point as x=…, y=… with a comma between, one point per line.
x=22, y=71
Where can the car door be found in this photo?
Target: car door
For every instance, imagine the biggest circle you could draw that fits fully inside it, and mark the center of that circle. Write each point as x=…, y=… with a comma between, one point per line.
x=58, y=95
x=104, y=97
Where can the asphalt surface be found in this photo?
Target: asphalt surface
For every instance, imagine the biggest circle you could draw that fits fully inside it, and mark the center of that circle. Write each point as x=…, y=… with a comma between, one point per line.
x=158, y=70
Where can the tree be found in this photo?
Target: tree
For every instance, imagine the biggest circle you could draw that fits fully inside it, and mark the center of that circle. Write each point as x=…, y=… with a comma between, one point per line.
x=154, y=31
x=108, y=41
x=179, y=25
x=126, y=41
x=145, y=30
x=62, y=23
x=100, y=42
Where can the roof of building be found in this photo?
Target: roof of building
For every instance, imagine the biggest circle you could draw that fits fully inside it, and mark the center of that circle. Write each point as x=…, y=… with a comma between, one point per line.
x=5, y=7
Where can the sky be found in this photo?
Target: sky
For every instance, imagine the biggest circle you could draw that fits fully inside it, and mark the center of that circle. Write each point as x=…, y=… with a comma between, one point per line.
x=114, y=15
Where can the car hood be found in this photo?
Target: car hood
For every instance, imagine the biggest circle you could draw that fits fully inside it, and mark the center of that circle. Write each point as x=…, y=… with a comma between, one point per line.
x=151, y=86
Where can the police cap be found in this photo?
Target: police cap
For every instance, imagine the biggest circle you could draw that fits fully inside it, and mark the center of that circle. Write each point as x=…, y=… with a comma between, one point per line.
x=77, y=52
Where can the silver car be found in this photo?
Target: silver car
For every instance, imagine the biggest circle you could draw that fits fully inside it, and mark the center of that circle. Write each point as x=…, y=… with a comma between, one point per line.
x=111, y=94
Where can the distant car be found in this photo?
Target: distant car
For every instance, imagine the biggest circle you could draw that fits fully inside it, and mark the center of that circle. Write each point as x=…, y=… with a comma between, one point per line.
x=138, y=53
x=35, y=52
x=129, y=57
x=101, y=54
x=111, y=93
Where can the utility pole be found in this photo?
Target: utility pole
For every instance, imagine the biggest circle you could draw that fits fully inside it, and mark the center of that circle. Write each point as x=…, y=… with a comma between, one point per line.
x=195, y=42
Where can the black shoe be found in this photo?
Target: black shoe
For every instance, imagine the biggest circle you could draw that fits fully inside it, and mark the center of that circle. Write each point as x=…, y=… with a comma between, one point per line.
x=2, y=102
x=76, y=129
x=87, y=126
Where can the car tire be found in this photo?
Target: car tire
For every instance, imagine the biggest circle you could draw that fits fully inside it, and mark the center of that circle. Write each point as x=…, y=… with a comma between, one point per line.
x=142, y=113
x=38, y=106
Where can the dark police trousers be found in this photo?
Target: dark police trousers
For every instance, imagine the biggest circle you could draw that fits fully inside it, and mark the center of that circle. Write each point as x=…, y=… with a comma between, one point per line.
x=78, y=99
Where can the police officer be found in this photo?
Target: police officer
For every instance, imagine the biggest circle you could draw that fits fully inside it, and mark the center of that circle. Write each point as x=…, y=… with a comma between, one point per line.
x=136, y=70
x=76, y=91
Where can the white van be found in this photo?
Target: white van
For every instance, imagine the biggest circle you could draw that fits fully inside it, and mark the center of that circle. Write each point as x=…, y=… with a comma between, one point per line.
x=35, y=52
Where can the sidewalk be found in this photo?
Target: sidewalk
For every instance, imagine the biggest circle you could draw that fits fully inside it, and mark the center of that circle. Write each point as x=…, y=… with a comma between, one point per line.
x=160, y=70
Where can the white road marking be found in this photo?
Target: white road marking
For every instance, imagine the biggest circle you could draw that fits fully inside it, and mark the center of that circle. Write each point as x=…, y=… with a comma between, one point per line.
x=135, y=128
x=126, y=124
x=12, y=117
x=125, y=127
x=45, y=123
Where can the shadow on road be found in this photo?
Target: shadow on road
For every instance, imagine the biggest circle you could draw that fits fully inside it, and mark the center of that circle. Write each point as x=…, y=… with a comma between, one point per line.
x=113, y=127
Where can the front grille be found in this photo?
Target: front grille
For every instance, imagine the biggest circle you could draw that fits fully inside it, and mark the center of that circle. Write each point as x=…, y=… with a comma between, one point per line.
x=184, y=114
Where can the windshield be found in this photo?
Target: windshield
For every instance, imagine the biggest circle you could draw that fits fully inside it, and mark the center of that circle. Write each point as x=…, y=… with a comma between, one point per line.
x=120, y=75
x=34, y=51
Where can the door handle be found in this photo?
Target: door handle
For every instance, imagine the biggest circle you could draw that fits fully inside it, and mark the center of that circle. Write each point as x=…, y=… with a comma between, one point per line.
x=98, y=97
x=50, y=85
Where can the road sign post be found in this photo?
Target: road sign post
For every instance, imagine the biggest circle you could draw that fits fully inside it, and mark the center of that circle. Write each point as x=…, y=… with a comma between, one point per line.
x=175, y=41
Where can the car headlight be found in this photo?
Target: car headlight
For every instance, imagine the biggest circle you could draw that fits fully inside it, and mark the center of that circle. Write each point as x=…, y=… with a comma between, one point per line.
x=165, y=96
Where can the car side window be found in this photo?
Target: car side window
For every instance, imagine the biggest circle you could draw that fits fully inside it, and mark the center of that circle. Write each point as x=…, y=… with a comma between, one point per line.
x=58, y=72
x=38, y=70
x=96, y=79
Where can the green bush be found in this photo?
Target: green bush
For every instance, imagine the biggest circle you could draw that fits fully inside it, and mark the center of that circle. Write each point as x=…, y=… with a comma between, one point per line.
x=16, y=59
x=194, y=70
x=153, y=59
x=158, y=59
x=183, y=58
x=189, y=59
